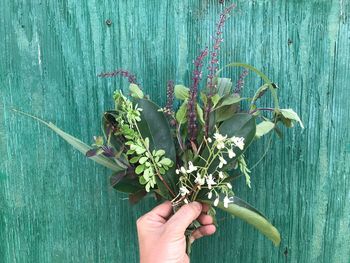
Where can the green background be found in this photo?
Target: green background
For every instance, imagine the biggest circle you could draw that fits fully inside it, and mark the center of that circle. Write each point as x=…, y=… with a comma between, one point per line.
x=57, y=206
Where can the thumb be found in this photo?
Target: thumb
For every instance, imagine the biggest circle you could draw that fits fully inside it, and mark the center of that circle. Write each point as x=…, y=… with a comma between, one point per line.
x=184, y=217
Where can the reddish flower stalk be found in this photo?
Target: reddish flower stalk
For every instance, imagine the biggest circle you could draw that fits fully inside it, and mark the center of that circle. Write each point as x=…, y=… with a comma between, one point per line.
x=169, y=97
x=192, y=103
x=214, y=62
x=240, y=82
x=120, y=72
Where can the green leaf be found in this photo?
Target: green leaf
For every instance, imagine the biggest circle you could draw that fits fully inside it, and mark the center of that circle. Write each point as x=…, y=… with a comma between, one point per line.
x=165, y=161
x=125, y=183
x=263, y=128
x=239, y=125
x=181, y=92
x=154, y=125
x=134, y=159
x=229, y=100
x=204, y=98
x=291, y=115
x=181, y=114
x=246, y=212
x=215, y=99
x=223, y=113
x=260, y=92
x=143, y=160
x=79, y=145
x=147, y=143
x=200, y=113
x=139, y=169
x=224, y=86
x=135, y=91
x=160, y=153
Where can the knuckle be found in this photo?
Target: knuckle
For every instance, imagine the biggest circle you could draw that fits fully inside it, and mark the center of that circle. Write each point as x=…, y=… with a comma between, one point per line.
x=193, y=210
x=139, y=221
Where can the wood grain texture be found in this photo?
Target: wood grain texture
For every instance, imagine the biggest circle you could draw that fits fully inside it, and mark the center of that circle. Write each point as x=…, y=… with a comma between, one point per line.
x=57, y=206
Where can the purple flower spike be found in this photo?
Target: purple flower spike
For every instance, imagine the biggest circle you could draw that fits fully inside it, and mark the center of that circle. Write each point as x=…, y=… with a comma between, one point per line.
x=240, y=82
x=120, y=72
x=214, y=62
x=196, y=78
x=169, y=97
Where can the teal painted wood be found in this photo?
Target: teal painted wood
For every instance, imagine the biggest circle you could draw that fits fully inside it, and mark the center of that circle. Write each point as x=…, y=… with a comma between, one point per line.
x=56, y=206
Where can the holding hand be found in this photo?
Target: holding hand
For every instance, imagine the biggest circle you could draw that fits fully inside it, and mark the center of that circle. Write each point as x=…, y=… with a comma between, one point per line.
x=162, y=235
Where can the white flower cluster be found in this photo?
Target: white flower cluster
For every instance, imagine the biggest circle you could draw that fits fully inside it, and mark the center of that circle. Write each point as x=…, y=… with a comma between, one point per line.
x=194, y=178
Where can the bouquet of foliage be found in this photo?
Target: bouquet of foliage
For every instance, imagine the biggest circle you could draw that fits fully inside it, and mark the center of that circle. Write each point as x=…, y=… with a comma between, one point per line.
x=192, y=152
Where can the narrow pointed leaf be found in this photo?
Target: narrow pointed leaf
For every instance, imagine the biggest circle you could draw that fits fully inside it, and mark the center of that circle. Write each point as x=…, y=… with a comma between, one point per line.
x=79, y=145
x=249, y=214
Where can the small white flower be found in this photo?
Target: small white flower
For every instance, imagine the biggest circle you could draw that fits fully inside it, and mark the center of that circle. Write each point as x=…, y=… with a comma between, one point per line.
x=177, y=171
x=221, y=175
x=220, y=140
x=199, y=179
x=231, y=154
x=186, y=201
x=210, y=194
x=229, y=185
x=209, y=140
x=183, y=170
x=238, y=141
x=222, y=162
x=216, y=202
x=191, y=167
x=184, y=191
x=219, y=137
x=210, y=181
x=227, y=200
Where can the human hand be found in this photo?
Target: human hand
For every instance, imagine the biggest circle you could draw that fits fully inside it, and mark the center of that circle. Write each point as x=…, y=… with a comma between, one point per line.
x=162, y=235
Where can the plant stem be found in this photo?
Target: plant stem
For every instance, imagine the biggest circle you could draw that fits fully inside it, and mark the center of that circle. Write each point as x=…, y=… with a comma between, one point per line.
x=153, y=162
x=188, y=244
x=265, y=109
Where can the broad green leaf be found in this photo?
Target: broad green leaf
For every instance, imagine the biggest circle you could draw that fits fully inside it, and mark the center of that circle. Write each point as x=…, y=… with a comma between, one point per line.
x=263, y=128
x=125, y=183
x=229, y=100
x=223, y=113
x=224, y=86
x=239, y=125
x=135, y=91
x=79, y=145
x=246, y=212
x=154, y=125
x=181, y=92
x=181, y=114
x=291, y=115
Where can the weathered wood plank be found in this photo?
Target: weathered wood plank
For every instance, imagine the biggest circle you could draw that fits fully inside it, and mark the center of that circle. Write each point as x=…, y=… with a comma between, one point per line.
x=56, y=206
